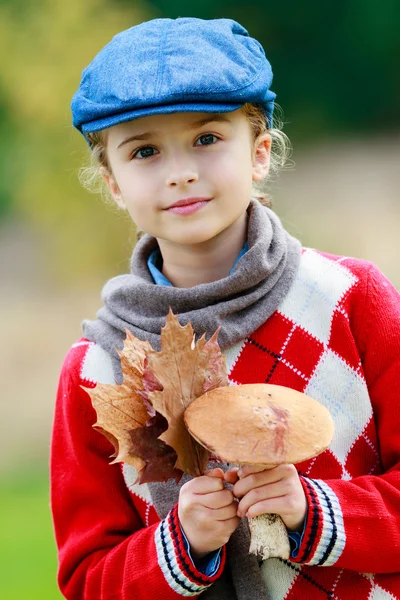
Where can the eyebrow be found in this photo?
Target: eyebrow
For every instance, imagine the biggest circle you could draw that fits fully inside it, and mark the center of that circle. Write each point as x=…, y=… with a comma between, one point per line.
x=196, y=125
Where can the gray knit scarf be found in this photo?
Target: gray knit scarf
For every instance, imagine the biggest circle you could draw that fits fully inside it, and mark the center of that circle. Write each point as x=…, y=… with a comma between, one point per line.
x=239, y=303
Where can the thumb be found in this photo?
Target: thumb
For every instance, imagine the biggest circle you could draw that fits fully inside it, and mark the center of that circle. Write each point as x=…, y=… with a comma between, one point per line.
x=217, y=472
x=231, y=476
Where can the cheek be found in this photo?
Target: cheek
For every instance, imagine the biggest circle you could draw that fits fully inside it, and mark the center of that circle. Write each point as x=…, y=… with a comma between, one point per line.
x=128, y=182
x=238, y=177
x=136, y=191
x=138, y=206
x=235, y=166
x=141, y=214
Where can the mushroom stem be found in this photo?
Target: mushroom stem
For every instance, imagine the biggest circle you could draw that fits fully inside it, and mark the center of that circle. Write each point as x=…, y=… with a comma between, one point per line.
x=269, y=538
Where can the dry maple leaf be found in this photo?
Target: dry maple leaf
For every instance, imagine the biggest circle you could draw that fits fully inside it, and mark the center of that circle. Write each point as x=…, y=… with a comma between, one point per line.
x=120, y=408
x=143, y=417
x=185, y=370
x=160, y=458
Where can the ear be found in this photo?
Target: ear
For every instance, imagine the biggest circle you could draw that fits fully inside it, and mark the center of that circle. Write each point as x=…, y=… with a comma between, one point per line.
x=261, y=156
x=113, y=188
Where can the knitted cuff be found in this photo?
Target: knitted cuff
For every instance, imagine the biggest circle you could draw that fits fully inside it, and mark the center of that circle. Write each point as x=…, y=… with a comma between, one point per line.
x=324, y=536
x=175, y=563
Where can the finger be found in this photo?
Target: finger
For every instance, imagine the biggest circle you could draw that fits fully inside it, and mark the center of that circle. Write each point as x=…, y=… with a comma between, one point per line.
x=223, y=514
x=231, y=476
x=283, y=470
x=205, y=484
x=294, y=521
x=256, y=480
x=217, y=472
x=217, y=499
x=277, y=506
x=231, y=524
x=249, y=469
x=266, y=492
x=268, y=505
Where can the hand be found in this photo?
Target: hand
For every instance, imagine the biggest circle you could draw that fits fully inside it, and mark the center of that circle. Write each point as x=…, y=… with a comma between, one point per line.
x=277, y=490
x=207, y=512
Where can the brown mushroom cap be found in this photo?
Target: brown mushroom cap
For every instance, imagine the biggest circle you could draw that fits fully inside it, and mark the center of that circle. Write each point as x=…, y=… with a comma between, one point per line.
x=260, y=424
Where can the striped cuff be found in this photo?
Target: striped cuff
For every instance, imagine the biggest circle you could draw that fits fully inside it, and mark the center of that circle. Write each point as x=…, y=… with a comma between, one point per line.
x=296, y=537
x=175, y=563
x=208, y=565
x=324, y=536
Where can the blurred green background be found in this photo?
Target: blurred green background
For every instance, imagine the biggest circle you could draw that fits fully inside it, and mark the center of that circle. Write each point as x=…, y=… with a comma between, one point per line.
x=337, y=80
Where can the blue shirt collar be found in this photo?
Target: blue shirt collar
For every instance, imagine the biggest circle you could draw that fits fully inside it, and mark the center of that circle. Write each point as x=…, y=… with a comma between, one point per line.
x=154, y=264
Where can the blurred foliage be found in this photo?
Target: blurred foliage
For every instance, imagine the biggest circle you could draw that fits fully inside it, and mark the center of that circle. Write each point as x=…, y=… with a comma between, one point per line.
x=27, y=553
x=335, y=66
x=45, y=45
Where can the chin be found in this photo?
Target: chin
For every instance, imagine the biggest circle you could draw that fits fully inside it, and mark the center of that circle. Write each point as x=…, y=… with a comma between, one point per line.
x=193, y=237
x=192, y=240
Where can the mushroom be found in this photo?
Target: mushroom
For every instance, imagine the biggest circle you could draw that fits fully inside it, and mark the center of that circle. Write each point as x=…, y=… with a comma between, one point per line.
x=266, y=425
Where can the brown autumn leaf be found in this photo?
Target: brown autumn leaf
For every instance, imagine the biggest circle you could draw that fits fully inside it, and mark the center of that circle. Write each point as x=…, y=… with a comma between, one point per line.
x=120, y=408
x=185, y=370
x=160, y=458
x=155, y=441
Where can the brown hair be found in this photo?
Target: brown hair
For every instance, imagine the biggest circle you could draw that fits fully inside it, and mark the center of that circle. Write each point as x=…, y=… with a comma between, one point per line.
x=91, y=179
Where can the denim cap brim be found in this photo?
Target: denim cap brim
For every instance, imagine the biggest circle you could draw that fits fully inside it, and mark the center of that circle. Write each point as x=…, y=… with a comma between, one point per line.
x=112, y=120
x=164, y=66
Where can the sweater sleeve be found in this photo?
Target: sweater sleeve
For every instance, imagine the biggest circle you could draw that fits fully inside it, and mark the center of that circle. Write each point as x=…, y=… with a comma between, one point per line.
x=105, y=551
x=356, y=524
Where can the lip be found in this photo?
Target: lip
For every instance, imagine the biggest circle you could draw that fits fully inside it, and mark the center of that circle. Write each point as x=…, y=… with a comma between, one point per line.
x=187, y=206
x=187, y=201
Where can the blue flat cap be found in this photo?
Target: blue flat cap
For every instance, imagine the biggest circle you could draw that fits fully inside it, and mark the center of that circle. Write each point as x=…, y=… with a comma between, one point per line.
x=173, y=65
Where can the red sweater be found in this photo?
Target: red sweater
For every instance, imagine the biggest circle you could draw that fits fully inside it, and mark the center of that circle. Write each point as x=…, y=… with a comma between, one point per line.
x=336, y=337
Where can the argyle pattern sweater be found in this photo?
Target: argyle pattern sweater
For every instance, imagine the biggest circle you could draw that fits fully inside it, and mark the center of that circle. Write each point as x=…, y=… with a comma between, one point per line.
x=335, y=337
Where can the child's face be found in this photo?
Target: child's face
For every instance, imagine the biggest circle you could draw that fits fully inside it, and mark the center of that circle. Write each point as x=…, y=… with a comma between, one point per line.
x=177, y=158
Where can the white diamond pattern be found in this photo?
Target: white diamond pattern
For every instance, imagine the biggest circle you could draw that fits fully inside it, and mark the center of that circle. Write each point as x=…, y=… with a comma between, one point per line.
x=345, y=395
x=379, y=593
x=320, y=284
x=278, y=578
x=97, y=365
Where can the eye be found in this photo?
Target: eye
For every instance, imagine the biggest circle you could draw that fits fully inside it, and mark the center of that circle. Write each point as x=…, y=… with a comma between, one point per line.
x=143, y=152
x=206, y=139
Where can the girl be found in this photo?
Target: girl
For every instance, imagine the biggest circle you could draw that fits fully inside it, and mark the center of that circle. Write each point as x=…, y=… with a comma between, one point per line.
x=178, y=115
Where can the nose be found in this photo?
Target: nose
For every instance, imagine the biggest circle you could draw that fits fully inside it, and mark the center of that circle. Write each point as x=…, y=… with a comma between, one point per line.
x=181, y=172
